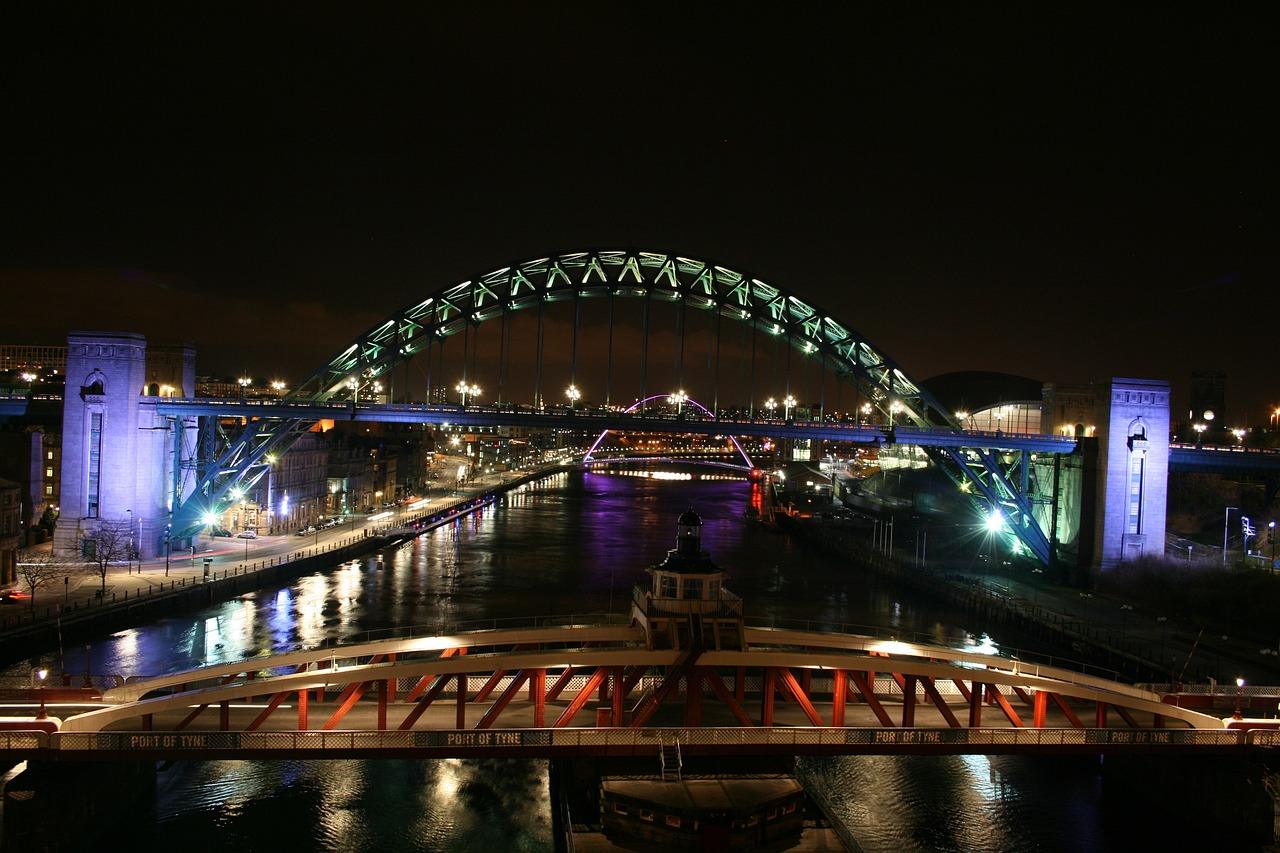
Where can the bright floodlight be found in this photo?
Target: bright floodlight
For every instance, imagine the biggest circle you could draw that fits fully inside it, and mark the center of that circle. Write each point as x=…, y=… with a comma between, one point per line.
x=573, y=393
x=28, y=377
x=994, y=522
x=277, y=385
x=790, y=401
x=1239, y=682
x=209, y=519
x=1209, y=415
x=962, y=415
x=1199, y=427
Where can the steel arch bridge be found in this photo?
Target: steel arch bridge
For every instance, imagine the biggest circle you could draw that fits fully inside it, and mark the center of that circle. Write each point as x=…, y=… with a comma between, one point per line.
x=640, y=404
x=997, y=482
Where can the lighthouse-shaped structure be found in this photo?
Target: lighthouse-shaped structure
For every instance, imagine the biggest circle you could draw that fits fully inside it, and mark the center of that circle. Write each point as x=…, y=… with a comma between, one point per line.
x=687, y=604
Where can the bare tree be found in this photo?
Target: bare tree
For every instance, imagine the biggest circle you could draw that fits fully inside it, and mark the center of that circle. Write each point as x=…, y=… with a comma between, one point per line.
x=38, y=569
x=110, y=545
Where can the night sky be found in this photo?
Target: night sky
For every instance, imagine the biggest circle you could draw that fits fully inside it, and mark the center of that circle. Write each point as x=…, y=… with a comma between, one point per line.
x=1064, y=193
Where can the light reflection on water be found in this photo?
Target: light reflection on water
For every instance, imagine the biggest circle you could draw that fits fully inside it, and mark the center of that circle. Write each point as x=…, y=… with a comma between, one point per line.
x=556, y=547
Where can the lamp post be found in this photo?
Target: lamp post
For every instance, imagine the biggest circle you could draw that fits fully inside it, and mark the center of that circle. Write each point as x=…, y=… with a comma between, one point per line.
x=1125, y=610
x=466, y=390
x=771, y=404
x=1226, y=520
x=128, y=548
x=573, y=394
x=1199, y=428
x=1271, y=537
x=678, y=399
x=962, y=416
x=787, y=405
x=244, y=382
x=1237, y=715
x=1086, y=596
x=168, y=546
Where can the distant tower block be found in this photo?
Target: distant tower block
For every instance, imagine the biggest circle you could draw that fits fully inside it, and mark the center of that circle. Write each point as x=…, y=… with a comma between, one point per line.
x=117, y=452
x=1133, y=453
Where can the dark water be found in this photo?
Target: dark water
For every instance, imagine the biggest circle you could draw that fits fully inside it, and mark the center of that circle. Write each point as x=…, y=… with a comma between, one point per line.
x=573, y=543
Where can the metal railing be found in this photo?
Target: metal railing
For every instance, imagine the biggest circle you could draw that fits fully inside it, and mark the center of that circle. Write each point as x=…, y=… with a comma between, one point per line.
x=643, y=741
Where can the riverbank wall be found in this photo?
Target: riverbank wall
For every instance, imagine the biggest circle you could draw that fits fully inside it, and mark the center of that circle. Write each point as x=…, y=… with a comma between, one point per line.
x=69, y=627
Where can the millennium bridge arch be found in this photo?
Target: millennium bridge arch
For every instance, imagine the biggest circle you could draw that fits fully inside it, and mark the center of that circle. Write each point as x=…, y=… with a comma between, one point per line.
x=998, y=483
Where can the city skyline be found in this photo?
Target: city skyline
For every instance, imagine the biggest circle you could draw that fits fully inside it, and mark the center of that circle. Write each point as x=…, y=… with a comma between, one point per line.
x=962, y=216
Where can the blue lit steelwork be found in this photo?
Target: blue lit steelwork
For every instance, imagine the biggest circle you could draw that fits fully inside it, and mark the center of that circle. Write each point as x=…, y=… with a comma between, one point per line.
x=767, y=309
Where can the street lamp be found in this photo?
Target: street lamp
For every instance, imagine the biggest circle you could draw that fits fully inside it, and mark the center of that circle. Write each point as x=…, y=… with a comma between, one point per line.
x=962, y=416
x=353, y=385
x=244, y=382
x=1226, y=520
x=277, y=385
x=128, y=548
x=573, y=394
x=1199, y=428
x=466, y=390
x=1236, y=715
x=1239, y=434
x=771, y=404
x=787, y=405
x=678, y=398
x=894, y=408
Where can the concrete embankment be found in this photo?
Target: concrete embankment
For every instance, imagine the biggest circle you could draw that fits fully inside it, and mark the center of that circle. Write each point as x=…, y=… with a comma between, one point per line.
x=75, y=626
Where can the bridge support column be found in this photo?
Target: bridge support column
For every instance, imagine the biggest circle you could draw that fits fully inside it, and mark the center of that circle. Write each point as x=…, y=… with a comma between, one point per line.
x=766, y=696
x=840, y=685
x=1040, y=704
x=975, y=705
x=460, y=721
x=909, y=701
x=619, y=693
x=302, y=709
x=1100, y=714
x=693, y=699
x=538, y=696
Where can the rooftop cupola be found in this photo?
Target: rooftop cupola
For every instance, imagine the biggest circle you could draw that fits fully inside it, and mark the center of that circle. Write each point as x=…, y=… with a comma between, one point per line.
x=689, y=534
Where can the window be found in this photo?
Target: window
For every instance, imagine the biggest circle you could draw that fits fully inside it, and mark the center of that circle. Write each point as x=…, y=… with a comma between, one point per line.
x=48, y=489
x=673, y=820
x=1136, y=471
x=692, y=588
x=619, y=808
x=49, y=455
x=666, y=586
x=48, y=472
x=95, y=464
x=645, y=814
x=789, y=808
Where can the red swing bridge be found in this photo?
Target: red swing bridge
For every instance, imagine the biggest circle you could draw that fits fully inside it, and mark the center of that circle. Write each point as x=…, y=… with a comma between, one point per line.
x=684, y=671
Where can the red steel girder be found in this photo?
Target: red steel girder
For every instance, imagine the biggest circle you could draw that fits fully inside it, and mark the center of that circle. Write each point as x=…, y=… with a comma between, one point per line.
x=723, y=694
x=1040, y=706
x=994, y=692
x=1067, y=711
x=560, y=684
x=353, y=694
x=790, y=685
x=538, y=696
x=584, y=695
x=766, y=696
x=909, y=701
x=483, y=693
x=275, y=702
x=693, y=698
x=425, y=681
x=423, y=704
x=1126, y=716
x=964, y=691
x=186, y=721
x=839, y=688
x=303, y=695
x=975, y=705
x=863, y=684
x=618, y=694
x=931, y=690
x=504, y=698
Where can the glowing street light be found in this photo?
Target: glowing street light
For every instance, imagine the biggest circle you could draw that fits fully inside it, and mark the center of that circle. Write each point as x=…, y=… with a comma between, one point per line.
x=678, y=398
x=1239, y=699
x=962, y=415
x=277, y=385
x=244, y=382
x=573, y=394
x=454, y=441
x=29, y=377
x=465, y=390
x=771, y=404
x=1239, y=434
x=994, y=522
x=787, y=405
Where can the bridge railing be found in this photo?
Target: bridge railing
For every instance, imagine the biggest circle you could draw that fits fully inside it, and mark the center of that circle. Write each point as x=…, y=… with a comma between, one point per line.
x=640, y=741
x=1008, y=654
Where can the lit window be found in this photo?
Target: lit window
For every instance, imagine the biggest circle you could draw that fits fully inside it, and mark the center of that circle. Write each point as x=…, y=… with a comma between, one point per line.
x=49, y=455
x=673, y=820
x=645, y=814
x=48, y=489
x=48, y=472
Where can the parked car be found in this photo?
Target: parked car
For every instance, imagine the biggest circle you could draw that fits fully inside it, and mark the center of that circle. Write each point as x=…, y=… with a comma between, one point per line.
x=247, y=534
x=221, y=531
x=306, y=531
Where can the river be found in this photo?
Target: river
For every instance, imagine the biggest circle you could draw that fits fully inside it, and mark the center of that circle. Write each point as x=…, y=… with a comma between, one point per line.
x=571, y=543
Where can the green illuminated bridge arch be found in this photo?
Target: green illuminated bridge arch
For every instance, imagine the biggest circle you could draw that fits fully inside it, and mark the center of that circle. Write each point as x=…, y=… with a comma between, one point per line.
x=989, y=476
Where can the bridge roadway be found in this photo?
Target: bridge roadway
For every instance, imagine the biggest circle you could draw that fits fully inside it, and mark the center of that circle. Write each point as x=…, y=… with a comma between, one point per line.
x=597, y=420
x=549, y=689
